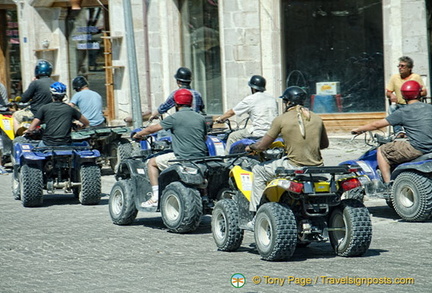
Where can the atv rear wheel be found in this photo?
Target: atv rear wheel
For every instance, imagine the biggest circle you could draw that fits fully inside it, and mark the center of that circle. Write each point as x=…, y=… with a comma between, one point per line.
x=350, y=228
x=120, y=150
x=412, y=197
x=181, y=208
x=31, y=186
x=90, y=190
x=225, y=225
x=275, y=231
x=121, y=203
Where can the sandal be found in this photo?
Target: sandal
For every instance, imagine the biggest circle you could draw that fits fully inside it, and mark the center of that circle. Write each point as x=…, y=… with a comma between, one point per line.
x=149, y=204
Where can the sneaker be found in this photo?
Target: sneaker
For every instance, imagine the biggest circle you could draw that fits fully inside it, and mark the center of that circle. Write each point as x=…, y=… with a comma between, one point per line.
x=150, y=204
x=250, y=225
x=3, y=171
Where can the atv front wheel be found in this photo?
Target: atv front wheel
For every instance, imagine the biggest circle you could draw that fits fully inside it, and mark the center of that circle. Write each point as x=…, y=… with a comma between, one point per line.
x=120, y=150
x=275, y=231
x=121, y=203
x=225, y=225
x=350, y=228
x=181, y=208
x=412, y=197
x=31, y=186
x=90, y=191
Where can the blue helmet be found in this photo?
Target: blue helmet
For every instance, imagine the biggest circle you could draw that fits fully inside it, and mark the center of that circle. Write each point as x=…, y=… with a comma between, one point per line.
x=43, y=68
x=58, y=89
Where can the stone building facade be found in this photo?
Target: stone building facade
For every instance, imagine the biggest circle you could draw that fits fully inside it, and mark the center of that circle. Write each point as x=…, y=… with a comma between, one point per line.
x=224, y=42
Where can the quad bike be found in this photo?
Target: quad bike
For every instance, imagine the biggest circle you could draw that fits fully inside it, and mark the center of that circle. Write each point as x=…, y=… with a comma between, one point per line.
x=410, y=195
x=221, y=133
x=299, y=206
x=7, y=128
x=187, y=190
x=108, y=141
x=71, y=168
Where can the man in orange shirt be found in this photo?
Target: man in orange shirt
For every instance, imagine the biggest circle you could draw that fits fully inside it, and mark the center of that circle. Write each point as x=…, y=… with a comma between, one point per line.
x=393, y=89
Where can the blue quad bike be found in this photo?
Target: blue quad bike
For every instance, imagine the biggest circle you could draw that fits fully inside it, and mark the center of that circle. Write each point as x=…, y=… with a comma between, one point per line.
x=410, y=194
x=71, y=168
x=275, y=152
x=188, y=189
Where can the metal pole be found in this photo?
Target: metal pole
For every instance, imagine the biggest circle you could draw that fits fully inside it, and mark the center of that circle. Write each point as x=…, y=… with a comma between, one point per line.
x=132, y=65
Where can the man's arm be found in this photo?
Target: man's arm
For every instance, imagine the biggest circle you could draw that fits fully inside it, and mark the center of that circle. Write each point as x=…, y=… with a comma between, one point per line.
x=148, y=130
x=35, y=123
x=261, y=145
x=225, y=116
x=391, y=95
x=28, y=94
x=84, y=121
x=371, y=126
x=324, y=142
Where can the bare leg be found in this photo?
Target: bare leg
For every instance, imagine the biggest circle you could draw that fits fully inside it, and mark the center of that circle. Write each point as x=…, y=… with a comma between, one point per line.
x=153, y=172
x=383, y=166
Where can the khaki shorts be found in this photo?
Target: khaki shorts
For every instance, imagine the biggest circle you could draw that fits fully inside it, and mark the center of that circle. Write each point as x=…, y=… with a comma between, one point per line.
x=24, y=113
x=162, y=160
x=399, y=151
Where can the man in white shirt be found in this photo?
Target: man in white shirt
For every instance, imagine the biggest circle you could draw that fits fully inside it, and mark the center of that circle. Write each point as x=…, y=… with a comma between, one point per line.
x=261, y=108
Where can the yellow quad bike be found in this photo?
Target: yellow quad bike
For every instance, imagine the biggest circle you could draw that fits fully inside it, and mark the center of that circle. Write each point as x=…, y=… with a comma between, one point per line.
x=298, y=207
x=6, y=128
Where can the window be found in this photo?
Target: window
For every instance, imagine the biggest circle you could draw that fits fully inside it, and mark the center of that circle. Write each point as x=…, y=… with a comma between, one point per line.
x=86, y=47
x=337, y=41
x=201, y=50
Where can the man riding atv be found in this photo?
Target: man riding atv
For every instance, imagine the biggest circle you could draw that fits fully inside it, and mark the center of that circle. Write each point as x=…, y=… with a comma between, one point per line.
x=304, y=134
x=189, y=133
x=58, y=118
x=38, y=93
x=261, y=108
x=416, y=119
x=88, y=101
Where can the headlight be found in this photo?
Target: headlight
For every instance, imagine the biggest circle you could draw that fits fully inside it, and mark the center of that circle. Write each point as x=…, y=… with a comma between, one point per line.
x=189, y=170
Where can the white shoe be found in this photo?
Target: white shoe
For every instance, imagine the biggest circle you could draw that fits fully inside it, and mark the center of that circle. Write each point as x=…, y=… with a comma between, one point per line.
x=150, y=204
x=250, y=226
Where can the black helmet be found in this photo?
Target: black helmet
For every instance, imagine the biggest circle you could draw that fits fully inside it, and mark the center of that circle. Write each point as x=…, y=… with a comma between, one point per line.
x=79, y=82
x=257, y=82
x=294, y=95
x=183, y=74
x=43, y=68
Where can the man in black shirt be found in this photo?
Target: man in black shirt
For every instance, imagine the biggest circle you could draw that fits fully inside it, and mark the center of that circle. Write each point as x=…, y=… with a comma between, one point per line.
x=58, y=118
x=38, y=92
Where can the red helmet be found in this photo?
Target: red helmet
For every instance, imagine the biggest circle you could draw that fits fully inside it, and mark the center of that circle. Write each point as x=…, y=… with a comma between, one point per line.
x=411, y=90
x=183, y=97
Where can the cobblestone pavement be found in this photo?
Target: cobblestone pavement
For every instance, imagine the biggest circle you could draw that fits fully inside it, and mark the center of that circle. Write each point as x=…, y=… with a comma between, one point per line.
x=66, y=247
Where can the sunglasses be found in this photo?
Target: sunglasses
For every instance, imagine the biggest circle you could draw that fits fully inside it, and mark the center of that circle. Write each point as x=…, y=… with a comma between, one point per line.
x=401, y=66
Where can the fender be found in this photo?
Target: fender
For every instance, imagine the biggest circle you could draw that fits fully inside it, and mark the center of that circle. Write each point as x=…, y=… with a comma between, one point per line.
x=189, y=174
x=215, y=146
x=243, y=180
x=273, y=191
x=419, y=166
x=369, y=168
x=137, y=172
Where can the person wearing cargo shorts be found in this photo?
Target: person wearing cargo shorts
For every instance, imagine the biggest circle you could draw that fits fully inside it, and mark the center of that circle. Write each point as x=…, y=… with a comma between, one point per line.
x=416, y=118
x=189, y=133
